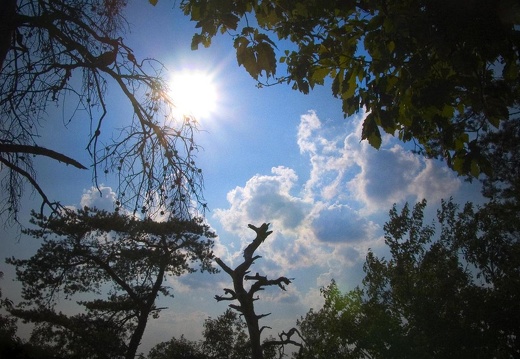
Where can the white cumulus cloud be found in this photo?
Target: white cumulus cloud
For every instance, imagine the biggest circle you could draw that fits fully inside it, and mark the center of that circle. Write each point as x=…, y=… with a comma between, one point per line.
x=102, y=198
x=325, y=223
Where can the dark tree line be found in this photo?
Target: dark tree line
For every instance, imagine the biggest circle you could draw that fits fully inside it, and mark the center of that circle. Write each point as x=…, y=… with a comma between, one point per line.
x=224, y=337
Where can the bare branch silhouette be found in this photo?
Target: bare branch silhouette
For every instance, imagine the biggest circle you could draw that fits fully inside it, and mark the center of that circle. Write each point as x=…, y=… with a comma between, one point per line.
x=69, y=54
x=245, y=297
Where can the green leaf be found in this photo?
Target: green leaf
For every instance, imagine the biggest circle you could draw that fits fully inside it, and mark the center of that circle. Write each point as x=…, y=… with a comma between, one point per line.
x=371, y=132
x=448, y=111
x=391, y=46
x=510, y=71
x=195, y=41
x=387, y=120
x=461, y=141
x=250, y=64
x=338, y=82
x=319, y=74
x=350, y=88
x=229, y=21
x=263, y=38
x=458, y=164
x=266, y=59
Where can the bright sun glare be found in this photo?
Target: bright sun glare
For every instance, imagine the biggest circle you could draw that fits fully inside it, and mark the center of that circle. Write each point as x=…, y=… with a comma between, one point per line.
x=194, y=93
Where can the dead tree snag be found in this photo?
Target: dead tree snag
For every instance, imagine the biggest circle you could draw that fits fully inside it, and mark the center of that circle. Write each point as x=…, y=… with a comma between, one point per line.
x=246, y=297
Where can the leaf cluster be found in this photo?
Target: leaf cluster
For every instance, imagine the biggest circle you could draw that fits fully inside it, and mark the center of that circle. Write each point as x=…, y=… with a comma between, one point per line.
x=439, y=73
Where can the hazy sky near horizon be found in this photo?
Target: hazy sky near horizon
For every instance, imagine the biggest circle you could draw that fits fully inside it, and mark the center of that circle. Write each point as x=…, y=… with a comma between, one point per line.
x=269, y=155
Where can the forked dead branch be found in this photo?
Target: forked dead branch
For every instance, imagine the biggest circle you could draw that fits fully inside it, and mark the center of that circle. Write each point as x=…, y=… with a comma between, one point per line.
x=246, y=297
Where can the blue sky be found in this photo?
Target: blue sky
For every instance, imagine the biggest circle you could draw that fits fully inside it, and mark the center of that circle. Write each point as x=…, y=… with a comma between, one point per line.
x=269, y=155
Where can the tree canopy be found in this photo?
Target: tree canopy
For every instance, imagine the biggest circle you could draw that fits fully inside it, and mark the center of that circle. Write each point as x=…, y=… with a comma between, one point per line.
x=454, y=294
x=176, y=348
x=52, y=51
x=122, y=258
x=449, y=289
x=225, y=337
x=438, y=73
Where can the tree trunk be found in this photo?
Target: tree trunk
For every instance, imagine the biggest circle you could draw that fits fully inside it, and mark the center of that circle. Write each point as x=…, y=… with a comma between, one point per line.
x=7, y=27
x=137, y=335
x=254, y=333
x=146, y=308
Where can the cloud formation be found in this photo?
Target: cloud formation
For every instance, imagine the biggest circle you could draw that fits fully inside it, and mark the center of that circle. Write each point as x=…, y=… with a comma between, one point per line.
x=327, y=222
x=102, y=198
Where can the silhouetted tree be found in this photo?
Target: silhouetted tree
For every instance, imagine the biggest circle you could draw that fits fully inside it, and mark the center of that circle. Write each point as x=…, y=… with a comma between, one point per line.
x=451, y=295
x=95, y=252
x=438, y=73
x=246, y=297
x=225, y=337
x=12, y=346
x=55, y=51
x=177, y=348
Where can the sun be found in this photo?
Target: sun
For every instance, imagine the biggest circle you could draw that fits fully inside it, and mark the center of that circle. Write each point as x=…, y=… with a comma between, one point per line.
x=194, y=93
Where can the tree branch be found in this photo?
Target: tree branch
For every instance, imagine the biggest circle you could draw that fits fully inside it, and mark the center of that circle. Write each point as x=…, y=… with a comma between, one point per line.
x=285, y=338
x=261, y=234
x=32, y=181
x=262, y=281
x=224, y=266
x=36, y=150
x=232, y=296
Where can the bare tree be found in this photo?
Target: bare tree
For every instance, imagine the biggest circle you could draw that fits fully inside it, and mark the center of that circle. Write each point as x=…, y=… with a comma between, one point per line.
x=246, y=297
x=73, y=50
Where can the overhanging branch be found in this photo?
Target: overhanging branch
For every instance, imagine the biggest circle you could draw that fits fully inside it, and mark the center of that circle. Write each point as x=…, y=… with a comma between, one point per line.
x=42, y=151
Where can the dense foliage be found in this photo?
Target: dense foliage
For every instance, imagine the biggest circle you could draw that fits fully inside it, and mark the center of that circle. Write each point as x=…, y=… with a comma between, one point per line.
x=451, y=295
x=176, y=348
x=224, y=338
x=119, y=264
x=439, y=73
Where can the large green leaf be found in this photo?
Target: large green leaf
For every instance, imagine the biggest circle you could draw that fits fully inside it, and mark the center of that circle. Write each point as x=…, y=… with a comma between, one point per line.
x=266, y=59
x=371, y=132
